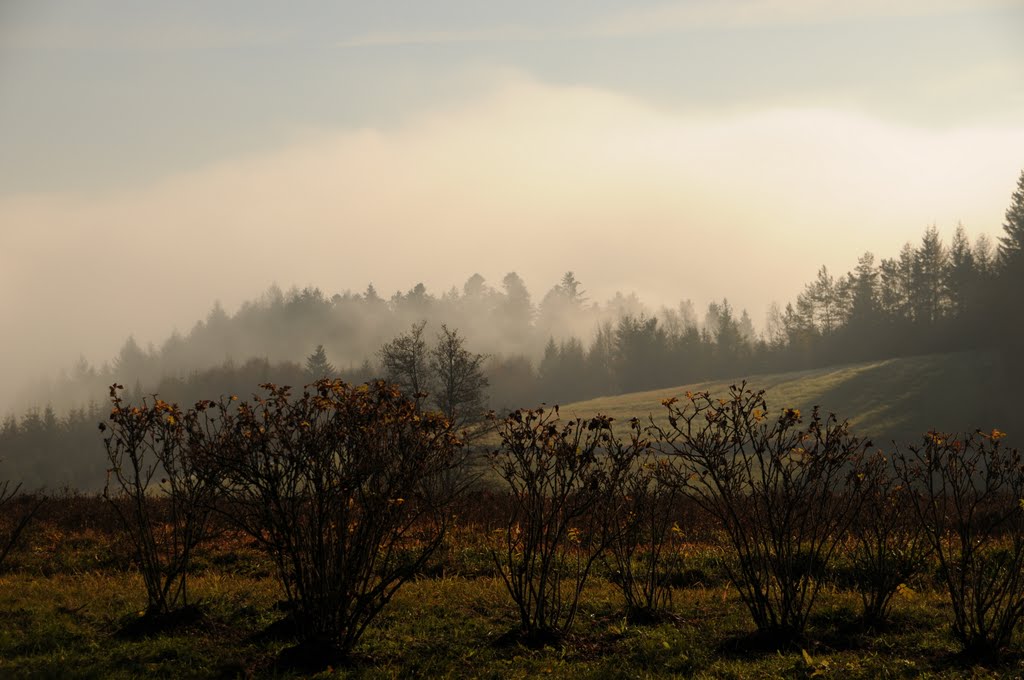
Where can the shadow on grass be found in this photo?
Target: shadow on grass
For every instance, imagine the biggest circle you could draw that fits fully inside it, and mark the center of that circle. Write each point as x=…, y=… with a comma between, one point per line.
x=312, y=656
x=643, y=616
x=844, y=629
x=284, y=629
x=971, y=664
x=537, y=639
x=750, y=646
x=160, y=623
x=304, y=657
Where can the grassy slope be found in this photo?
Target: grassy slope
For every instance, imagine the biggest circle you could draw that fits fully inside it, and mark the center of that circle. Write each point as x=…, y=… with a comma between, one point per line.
x=891, y=399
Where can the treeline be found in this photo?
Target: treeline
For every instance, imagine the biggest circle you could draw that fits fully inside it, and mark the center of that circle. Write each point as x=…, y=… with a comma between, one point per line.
x=932, y=296
x=283, y=328
x=43, y=449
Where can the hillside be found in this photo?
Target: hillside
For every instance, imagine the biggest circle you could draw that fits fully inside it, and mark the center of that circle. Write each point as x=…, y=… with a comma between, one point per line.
x=885, y=400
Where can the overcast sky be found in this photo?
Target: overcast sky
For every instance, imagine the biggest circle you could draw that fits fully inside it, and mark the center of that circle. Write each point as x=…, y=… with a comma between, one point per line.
x=157, y=157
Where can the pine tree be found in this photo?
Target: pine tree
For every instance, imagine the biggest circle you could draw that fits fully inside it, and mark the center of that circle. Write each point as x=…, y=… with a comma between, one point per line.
x=864, y=303
x=514, y=311
x=962, y=275
x=317, y=366
x=1008, y=304
x=931, y=263
x=1011, y=243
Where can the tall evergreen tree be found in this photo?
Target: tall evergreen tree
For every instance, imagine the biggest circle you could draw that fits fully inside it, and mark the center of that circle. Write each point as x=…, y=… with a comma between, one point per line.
x=640, y=353
x=905, y=283
x=562, y=310
x=931, y=263
x=728, y=339
x=962, y=277
x=571, y=289
x=984, y=257
x=1011, y=243
x=600, y=361
x=864, y=303
x=1009, y=303
x=317, y=365
x=824, y=295
x=549, y=373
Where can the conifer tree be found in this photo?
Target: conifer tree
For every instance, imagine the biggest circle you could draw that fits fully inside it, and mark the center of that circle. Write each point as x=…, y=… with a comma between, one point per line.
x=1011, y=243
x=317, y=366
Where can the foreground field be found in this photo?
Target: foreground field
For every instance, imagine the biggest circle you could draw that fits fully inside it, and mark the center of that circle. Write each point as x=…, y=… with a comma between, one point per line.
x=70, y=606
x=72, y=626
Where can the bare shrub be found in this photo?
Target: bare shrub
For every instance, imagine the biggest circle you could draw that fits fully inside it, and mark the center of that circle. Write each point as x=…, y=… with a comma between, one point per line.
x=16, y=513
x=161, y=491
x=645, y=540
x=969, y=498
x=558, y=475
x=777, y=488
x=344, y=486
x=890, y=546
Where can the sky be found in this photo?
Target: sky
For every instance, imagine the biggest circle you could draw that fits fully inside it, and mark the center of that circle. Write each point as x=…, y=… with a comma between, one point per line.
x=161, y=156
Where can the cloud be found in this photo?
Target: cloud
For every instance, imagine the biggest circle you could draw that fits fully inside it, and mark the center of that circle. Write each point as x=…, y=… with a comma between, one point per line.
x=149, y=34
x=685, y=15
x=433, y=37
x=703, y=14
x=529, y=177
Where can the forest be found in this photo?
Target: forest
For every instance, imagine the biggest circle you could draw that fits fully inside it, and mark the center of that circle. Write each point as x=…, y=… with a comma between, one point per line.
x=937, y=295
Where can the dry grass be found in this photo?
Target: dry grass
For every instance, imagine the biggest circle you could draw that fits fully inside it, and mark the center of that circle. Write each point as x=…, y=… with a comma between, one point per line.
x=71, y=619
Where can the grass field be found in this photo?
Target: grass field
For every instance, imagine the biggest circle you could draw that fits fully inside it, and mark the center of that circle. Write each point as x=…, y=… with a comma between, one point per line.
x=68, y=626
x=70, y=605
x=897, y=399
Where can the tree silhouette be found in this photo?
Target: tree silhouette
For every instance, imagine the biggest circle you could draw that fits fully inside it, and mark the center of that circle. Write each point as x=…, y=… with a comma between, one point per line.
x=931, y=263
x=317, y=366
x=404, y=360
x=1009, y=307
x=1011, y=243
x=460, y=383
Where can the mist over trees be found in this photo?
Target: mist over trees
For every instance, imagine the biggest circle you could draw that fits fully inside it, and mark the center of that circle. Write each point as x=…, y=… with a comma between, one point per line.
x=941, y=294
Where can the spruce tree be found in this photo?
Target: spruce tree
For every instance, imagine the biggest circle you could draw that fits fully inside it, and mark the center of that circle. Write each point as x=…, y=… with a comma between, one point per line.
x=317, y=366
x=1008, y=305
x=1011, y=243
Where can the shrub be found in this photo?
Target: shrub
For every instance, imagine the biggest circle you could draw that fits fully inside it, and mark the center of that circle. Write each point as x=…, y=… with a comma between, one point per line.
x=645, y=548
x=889, y=542
x=16, y=513
x=160, y=489
x=345, y=487
x=560, y=477
x=969, y=498
x=776, y=487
